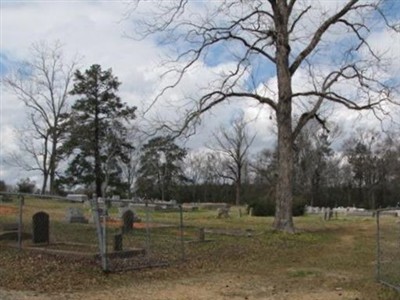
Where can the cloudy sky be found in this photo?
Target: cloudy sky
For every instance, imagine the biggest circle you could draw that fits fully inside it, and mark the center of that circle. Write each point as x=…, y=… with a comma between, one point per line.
x=100, y=32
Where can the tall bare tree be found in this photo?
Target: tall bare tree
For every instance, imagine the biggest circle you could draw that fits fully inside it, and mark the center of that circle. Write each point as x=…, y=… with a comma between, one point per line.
x=234, y=142
x=130, y=167
x=42, y=83
x=328, y=41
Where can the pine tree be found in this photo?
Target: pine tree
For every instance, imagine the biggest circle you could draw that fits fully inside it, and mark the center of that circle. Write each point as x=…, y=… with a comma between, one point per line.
x=98, y=130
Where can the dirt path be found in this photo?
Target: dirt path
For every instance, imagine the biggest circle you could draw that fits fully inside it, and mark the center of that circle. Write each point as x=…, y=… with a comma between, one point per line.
x=205, y=287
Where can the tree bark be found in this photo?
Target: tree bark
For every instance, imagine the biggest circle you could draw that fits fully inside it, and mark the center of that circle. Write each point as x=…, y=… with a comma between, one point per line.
x=97, y=162
x=53, y=160
x=284, y=190
x=238, y=190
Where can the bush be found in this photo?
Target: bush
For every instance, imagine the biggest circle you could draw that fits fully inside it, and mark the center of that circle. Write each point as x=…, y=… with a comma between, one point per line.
x=263, y=207
x=299, y=206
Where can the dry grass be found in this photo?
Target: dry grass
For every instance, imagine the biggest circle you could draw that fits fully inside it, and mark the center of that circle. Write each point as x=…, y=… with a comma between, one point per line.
x=324, y=260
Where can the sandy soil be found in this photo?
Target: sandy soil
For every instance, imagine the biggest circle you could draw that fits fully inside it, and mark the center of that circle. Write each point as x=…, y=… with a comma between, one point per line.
x=205, y=287
x=7, y=210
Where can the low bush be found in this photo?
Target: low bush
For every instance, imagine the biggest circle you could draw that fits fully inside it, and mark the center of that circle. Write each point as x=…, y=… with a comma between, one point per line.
x=265, y=207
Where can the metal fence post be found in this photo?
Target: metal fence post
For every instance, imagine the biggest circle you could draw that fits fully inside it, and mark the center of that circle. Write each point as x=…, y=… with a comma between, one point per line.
x=100, y=233
x=181, y=232
x=147, y=229
x=378, y=248
x=21, y=204
x=105, y=215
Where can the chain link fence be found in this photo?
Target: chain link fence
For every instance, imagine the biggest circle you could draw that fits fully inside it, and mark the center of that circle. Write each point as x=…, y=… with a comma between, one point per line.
x=116, y=235
x=140, y=235
x=388, y=247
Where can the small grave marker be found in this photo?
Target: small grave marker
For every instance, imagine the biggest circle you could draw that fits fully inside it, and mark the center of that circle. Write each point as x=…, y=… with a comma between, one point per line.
x=118, y=242
x=40, y=226
x=128, y=218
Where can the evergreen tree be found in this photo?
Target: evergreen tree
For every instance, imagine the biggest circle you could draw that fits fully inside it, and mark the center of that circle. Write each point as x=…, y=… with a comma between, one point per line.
x=98, y=131
x=160, y=168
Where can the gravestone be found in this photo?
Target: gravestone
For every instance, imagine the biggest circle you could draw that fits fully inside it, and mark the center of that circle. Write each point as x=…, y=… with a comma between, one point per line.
x=118, y=242
x=75, y=215
x=223, y=212
x=128, y=218
x=40, y=227
x=122, y=210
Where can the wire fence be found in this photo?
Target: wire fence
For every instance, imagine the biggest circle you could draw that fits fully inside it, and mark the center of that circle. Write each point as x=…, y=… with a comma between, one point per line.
x=116, y=235
x=388, y=247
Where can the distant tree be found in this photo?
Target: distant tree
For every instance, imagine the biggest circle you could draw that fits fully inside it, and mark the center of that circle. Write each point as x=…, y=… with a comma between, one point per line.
x=131, y=162
x=387, y=187
x=264, y=167
x=160, y=168
x=26, y=186
x=193, y=165
x=312, y=154
x=42, y=84
x=98, y=131
x=363, y=160
x=3, y=186
x=234, y=142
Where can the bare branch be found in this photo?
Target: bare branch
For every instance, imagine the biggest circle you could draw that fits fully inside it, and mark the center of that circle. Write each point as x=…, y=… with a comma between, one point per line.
x=318, y=34
x=299, y=18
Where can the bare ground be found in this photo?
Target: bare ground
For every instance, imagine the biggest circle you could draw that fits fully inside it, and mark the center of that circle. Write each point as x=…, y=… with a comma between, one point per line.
x=205, y=287
x=326, y=261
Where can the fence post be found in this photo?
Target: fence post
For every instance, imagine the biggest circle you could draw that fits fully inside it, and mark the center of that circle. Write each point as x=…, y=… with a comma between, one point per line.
x=147, y=229
x=21, y=204
x=181, y=232
x=100, y=233
x=378, y=248
x=105, y=215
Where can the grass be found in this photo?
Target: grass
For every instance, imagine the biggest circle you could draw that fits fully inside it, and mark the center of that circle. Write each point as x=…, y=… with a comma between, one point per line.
x=327, y=259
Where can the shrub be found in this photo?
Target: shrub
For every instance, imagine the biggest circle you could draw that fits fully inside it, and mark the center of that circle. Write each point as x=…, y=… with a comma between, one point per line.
x=299, y=205
x=261, y=207
x=265, y=207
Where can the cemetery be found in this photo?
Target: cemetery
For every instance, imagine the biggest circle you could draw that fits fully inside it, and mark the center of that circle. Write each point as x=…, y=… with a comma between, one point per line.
x=200, y=150
x=337, y=255
x=35, y=235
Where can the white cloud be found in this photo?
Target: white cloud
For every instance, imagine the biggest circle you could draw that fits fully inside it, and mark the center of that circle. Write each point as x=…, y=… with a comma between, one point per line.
x=96, y=30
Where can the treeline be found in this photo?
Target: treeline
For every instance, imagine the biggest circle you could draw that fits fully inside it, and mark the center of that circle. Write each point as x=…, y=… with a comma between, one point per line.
x=363, y=171
x=81, y=137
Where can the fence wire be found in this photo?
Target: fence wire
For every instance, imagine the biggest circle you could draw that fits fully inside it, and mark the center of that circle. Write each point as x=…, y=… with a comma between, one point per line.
x=116, y=235
x=140, y=235
x=388, y=247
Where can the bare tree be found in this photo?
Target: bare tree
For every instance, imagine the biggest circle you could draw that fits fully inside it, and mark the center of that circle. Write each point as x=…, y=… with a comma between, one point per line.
x=234, y=143
x=194, y=163
x=130, y=167
x=330, y=44
x=42, y=83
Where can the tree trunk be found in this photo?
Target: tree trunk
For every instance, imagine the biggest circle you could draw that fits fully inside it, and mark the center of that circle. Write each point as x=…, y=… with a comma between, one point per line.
x=97, y=162
x=238, y=191
x=45, y=170
x=43, y=190
x=284, y=190
x=52, y=165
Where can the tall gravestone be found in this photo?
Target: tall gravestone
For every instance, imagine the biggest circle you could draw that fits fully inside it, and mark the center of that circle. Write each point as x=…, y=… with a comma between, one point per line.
x=40, y=227
x=128, y=218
